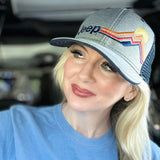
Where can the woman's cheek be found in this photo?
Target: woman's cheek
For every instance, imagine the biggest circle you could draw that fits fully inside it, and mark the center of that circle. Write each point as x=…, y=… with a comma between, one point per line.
x=69, y=68
x=110, y=86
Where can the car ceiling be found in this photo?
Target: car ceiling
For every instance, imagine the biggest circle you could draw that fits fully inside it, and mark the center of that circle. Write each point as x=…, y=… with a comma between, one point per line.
x=31, y=24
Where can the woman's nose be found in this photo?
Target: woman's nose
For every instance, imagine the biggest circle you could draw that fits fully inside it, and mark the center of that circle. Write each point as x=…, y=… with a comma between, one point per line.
x=87, y=73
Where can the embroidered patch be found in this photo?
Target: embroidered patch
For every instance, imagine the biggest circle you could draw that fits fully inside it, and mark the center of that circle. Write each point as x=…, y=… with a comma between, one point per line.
x=138, y=37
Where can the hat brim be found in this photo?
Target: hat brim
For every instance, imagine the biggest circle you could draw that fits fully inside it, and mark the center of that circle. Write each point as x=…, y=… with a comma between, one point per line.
x=120, y=64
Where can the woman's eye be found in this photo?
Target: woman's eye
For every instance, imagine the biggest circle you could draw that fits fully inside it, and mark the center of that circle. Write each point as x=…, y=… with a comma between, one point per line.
x=76, y=53
x=107, y=67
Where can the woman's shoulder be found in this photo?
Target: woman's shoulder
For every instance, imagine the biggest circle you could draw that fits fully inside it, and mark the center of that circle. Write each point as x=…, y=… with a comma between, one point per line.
x=20, y=112
x=155, y=151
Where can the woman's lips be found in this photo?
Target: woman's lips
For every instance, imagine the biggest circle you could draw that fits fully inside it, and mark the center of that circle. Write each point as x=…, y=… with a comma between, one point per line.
x=81, y=92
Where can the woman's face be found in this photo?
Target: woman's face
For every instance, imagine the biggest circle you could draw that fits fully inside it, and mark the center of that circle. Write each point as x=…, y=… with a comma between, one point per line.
x=90, y=82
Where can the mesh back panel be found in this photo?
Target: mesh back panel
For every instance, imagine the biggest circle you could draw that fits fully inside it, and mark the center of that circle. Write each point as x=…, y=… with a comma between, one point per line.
x=146, y=67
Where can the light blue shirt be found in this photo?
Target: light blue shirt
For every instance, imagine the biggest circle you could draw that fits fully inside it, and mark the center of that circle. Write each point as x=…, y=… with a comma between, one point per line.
x=29, y=133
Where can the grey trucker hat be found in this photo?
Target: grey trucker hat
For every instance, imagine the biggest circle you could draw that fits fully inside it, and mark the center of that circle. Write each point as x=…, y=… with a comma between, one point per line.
x=120, y=36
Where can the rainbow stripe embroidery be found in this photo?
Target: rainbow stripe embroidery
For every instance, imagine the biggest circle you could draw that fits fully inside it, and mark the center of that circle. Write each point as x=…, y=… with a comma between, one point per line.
x=139, y=37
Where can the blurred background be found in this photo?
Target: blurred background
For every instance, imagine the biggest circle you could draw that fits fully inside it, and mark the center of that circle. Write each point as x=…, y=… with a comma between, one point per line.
x=27, y=59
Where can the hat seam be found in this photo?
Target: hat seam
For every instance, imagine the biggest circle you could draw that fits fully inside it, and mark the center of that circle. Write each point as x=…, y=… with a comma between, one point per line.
x=119, y=18
x=115, y=22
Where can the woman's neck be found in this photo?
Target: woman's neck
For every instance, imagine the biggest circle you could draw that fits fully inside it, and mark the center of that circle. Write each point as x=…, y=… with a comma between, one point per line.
x=89, y=124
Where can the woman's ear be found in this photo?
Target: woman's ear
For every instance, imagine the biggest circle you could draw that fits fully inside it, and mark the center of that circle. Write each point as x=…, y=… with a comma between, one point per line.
x=132, y=93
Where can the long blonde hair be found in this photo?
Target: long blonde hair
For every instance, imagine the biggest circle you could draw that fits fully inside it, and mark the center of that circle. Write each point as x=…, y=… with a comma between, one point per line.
x=131, y=127
x=130, y=119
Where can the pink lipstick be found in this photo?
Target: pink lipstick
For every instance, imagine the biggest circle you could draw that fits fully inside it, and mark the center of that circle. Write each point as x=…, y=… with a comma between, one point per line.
x=81, y=92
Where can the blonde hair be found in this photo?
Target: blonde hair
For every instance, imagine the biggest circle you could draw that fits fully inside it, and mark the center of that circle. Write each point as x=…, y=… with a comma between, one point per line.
x=129, y=119
x=59, y=71
x=131, y=127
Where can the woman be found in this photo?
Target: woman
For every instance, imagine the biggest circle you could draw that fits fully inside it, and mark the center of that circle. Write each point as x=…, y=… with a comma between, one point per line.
x=103, y=75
